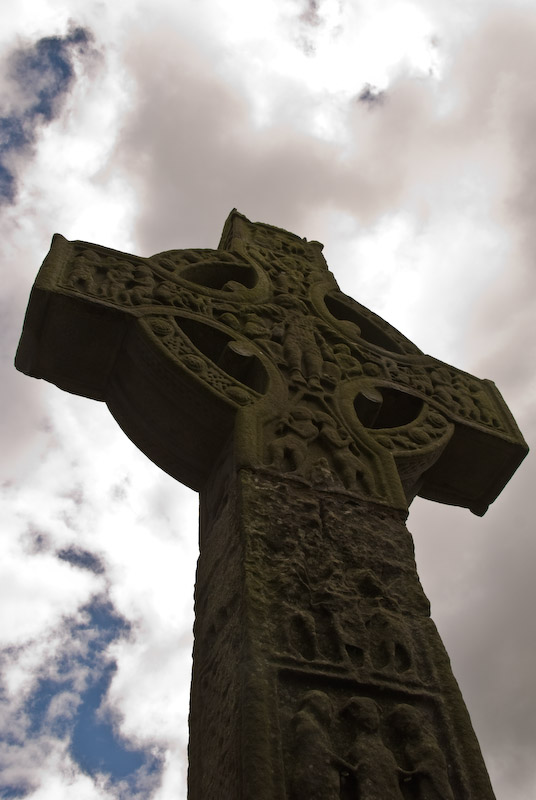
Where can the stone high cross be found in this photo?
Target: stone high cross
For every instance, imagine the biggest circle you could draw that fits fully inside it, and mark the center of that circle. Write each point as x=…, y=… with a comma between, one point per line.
x=308, y=425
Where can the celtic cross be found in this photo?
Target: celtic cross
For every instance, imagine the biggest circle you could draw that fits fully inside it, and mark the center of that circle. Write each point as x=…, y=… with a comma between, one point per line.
x=308, y=425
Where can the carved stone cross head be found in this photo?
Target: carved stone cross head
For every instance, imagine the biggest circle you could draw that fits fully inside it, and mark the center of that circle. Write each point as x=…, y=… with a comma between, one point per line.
x=250, y=351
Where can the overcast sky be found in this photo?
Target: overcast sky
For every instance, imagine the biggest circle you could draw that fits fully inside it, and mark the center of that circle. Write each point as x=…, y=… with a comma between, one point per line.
x=400, y=134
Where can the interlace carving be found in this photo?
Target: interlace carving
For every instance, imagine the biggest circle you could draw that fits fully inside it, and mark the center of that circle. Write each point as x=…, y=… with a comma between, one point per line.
x=334, y=390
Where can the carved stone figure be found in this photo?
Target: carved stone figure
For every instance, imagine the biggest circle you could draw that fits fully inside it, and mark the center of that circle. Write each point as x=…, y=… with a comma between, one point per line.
x=302, y=345
x=338, y=443
x=347, y=362
x=421, y=750
x=388, y=643
x=289, y=448
x=301, y=635
x=316, y=769
x=374, y=766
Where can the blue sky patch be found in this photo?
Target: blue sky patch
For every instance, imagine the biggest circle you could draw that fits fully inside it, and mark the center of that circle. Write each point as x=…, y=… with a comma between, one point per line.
x=42, y=75
x=94, y=742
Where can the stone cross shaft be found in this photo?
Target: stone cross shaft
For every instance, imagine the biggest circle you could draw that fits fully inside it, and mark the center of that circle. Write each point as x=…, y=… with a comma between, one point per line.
x=308, y=425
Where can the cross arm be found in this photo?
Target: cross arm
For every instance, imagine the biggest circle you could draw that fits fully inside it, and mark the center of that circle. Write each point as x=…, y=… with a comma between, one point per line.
x=397, y=401
x=94, y=327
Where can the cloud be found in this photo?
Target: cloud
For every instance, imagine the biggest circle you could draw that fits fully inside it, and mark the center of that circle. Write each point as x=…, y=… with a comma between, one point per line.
x=192, y=147
x=61, y=710
x=439, y=178
x=81, y=558
x=40, y=76
x=36, y=591
x=370, y=95
x=309, y=14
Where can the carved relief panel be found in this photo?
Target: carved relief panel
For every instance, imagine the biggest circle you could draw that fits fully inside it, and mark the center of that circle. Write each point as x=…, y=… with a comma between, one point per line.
x=344, y=624
x=346, y=746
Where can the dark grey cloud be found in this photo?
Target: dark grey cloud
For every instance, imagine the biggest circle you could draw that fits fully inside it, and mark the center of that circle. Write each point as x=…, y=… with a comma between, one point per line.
x=119, y=491
x=35, y=539
x=310, y=13
x=309, y=23
x=40, y=75
x=83, y=559
x=191, y=150
x=479, y=575
x=75, y=494
x=370, y=95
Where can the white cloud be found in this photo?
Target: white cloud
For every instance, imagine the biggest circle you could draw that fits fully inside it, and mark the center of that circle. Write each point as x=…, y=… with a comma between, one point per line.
x=425, y=205
x=36, y=597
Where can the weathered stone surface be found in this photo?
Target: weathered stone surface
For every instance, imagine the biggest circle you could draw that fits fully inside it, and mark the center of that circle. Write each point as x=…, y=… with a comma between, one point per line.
x=308, y=425
x=255, y=340
x=317, y=670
